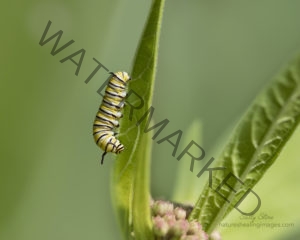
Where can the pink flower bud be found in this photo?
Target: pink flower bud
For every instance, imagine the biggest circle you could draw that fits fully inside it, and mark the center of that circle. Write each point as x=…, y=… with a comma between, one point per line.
x=180, y=213
x=161, y=208
x=194, y=228
x=160, y=226
x=180, y=227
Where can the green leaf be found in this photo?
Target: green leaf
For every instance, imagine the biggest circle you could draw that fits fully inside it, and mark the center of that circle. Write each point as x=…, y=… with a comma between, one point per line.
x=187, y=185
x=254, y=146
x=130, y=183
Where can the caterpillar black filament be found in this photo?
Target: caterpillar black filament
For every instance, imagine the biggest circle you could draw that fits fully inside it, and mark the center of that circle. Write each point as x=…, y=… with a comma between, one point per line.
x=109, y=112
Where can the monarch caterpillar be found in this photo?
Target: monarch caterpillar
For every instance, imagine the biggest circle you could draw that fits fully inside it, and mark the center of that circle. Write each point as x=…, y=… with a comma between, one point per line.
x=108, y=114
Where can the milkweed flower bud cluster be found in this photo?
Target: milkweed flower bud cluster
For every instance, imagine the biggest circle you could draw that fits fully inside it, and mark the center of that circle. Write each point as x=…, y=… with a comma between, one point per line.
x=170, y=223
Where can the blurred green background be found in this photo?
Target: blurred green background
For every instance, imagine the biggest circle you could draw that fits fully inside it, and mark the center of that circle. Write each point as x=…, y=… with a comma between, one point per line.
x=214, y=57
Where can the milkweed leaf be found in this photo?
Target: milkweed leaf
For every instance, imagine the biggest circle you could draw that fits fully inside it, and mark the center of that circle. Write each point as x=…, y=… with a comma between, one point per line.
x=130, y=181
x=187, y=185
x=254, y=146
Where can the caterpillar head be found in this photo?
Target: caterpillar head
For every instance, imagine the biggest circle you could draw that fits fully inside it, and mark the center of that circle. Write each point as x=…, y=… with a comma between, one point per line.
x=123, y=76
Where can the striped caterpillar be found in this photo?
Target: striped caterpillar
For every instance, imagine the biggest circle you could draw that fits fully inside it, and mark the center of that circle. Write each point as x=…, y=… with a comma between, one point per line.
x=108, y=114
